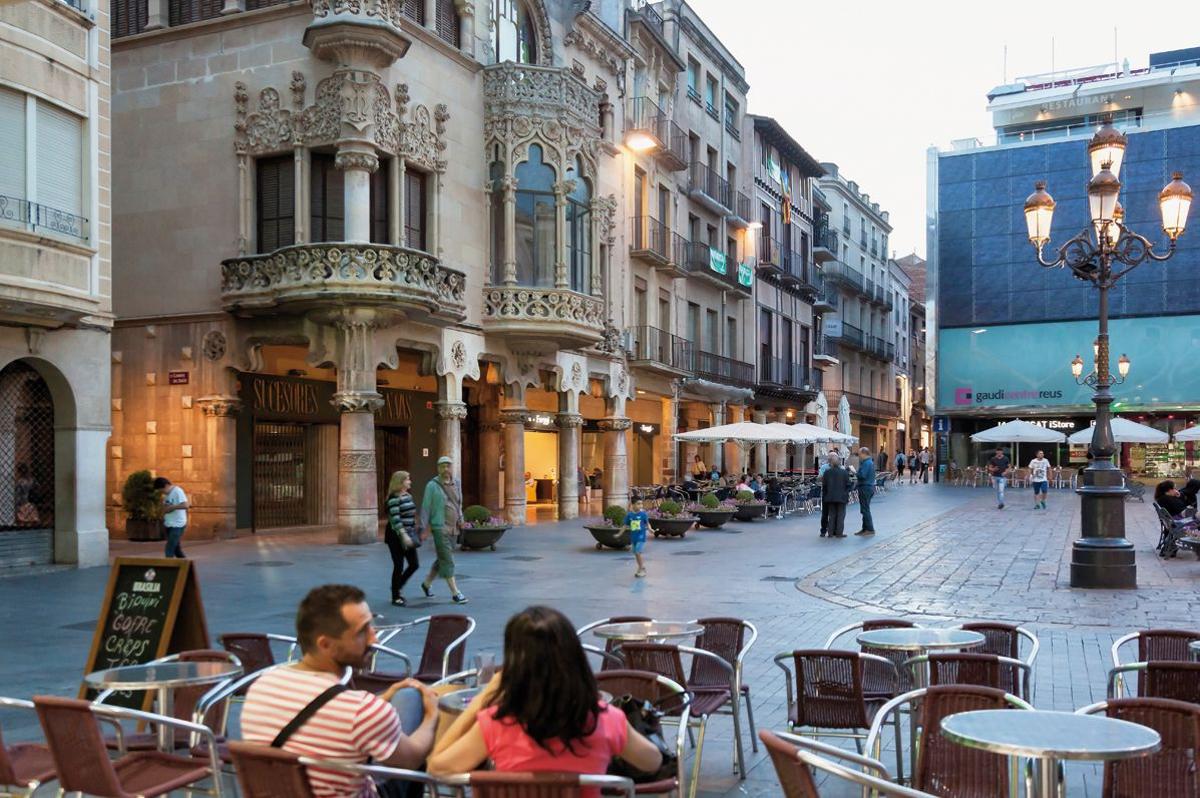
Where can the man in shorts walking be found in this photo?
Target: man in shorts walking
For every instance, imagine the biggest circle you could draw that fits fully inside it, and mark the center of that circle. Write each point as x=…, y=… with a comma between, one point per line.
x=637, y=520
x=1039, y=478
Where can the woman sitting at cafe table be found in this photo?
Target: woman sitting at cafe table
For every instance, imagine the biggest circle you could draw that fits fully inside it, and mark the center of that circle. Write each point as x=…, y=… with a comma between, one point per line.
x=542, y=712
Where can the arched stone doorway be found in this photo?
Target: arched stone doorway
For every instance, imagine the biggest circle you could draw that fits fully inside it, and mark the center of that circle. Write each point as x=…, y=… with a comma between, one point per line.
x=27, y=476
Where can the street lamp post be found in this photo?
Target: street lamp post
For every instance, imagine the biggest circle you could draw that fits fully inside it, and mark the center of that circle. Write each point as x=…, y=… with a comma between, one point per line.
x=1101, y=254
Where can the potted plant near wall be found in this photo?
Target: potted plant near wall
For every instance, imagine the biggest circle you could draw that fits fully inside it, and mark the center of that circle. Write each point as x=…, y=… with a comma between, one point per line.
x=712, y=512
x=481, y=529
x=748, y=507
x=610, y=530
x=671, y=519
x=143, y=507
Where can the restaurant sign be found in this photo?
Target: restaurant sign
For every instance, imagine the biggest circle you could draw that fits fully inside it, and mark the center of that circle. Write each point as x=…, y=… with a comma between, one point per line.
x=276, y=398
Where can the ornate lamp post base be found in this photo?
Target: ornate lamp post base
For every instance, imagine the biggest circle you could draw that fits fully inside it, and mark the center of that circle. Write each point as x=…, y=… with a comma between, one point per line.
x=1103, y=558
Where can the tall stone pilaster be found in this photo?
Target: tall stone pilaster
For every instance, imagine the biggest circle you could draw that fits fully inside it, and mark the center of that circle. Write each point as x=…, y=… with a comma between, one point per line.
x=760, y=449
x=490, y=490
x=220, y=417
x=450, y=416
x=616, y=461
x=358, y=499
x=570, y=426
x=513, y=419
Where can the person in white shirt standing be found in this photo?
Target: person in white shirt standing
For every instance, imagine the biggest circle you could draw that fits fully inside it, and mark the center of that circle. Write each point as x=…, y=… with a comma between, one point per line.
x=175, y=505
x=1039, y=477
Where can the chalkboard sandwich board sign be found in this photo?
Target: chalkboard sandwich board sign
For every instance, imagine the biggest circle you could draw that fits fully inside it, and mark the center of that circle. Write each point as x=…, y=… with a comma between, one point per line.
x=151, y=608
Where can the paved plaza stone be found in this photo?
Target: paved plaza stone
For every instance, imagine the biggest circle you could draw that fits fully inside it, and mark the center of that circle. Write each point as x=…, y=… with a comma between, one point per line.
x=942, y=555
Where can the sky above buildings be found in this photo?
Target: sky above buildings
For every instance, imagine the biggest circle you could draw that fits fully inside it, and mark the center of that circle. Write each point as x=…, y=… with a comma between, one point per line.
x=871, y=85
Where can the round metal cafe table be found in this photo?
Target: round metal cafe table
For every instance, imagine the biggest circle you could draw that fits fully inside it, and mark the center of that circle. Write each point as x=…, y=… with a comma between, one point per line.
x=641, y=631
x=1050, y=737
x=919, y=640
x=164, y=677
x=1194, y=650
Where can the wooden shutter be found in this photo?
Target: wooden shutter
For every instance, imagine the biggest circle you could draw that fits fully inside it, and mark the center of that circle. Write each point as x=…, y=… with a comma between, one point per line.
x=379, y=204
x=414, y=209
x=446, y=24
x=276, y=198
x=59, y=159
x=414, y=10
x=12, y=144
x=181, y=12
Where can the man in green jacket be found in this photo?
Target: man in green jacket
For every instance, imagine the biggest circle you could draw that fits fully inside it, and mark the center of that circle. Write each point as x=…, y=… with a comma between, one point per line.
x=441, y=515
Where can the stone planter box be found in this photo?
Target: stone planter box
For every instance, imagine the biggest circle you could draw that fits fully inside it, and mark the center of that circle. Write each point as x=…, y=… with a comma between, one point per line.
x=144, y=529
x=714, y=519
x=612, y=537
x=748, y=512
x=480, y=537
x=671, y=527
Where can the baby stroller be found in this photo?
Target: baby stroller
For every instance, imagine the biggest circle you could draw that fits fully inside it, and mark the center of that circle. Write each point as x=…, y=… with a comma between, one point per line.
x=1175, y=533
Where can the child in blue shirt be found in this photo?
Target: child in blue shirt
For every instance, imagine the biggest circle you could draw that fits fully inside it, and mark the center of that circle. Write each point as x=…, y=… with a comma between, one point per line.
x=638, y=522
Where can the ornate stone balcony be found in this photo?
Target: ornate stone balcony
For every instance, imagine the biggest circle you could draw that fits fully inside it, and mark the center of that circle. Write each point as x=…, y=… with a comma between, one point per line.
x=543, y=318
x=314, y=276
x=529, y=97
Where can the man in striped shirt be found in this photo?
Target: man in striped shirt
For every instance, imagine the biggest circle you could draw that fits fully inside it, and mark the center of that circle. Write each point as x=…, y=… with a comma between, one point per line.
x=334, y=630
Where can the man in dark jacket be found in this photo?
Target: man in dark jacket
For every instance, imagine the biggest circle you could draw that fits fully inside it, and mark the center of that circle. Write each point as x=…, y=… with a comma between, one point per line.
x=866, y=490
x=835, y=491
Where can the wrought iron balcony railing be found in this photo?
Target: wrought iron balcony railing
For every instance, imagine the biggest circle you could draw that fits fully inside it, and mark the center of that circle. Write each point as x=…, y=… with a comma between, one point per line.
x=724, y=369
x=709, y=183
x=659, y=347
x=38, y=217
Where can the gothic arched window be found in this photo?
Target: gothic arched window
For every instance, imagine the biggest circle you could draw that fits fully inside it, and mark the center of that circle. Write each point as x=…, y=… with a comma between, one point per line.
x=579, y=231
x=535, y=224
x=496, y=209
x=516, y=33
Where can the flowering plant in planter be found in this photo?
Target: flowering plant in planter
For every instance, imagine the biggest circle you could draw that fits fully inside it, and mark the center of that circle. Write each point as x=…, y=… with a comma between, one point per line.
x=747, y=497
x=479, y=517
x=669, y=509
x=610, y=530
x=715, y=505
x=614, y=515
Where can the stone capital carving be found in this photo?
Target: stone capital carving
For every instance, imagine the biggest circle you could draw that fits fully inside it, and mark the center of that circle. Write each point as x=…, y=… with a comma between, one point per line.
x=357, y=402
x=450, y=410
x=220, y=406
x=357, y=460
x=569, y=420
x=615, y=424
x=355, y=159
x=515, y=416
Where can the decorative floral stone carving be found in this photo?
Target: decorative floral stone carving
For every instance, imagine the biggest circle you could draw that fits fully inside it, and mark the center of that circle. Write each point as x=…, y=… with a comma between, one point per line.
x=450, y=410
x=568, y=420
x=614, y=424
x=576, y=375
x=543, y=304
x=214, y=345
x=458, y=355
x=220, y=406
x=361, y=460
x=357, y=401
x=356, y=160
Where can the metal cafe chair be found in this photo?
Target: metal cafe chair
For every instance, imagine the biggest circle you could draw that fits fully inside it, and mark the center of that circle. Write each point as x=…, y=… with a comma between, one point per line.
x=495, y=784
x=611, y=647
x=1179, y=681
x=659, y=691
x=1172, y=770
x=444, y=649
x=1153, y=644
x=727, y=638
x=984, y=670
x=1007, y=640
x=795, y=758
x=939, y=763
x=877, y=681
x=23, y=766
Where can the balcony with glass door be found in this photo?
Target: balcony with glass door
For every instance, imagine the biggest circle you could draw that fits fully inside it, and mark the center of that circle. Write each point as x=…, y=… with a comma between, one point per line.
x=659, y=351
x=743, y=211
x=825, y=244
x=725, y=370
x=709, y=189
x=784, y=379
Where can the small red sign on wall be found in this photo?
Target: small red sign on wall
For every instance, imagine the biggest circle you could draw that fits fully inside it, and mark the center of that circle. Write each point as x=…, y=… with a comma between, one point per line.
x=177, y=377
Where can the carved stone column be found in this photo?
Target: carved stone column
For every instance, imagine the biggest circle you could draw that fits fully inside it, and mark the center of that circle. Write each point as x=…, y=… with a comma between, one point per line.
x=220, y=415
x=357, y=161
x=570, y=427
x=157, y=15
x=718, y=450
x=489, y=464
x=509, y=186
x=431, y=16
x=561, y=189
x=734, y=462
x=760, y=449
x=450, y=417
x=616, y=462
x=513, y=419
x=466, y=26
x=357, y=399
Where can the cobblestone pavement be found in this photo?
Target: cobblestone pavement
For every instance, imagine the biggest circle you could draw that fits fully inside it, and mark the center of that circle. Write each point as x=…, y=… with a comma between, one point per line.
x=942, y=554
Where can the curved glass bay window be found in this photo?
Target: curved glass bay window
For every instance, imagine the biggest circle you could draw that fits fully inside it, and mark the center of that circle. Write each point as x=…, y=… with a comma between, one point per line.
x=515, y=35
x=496, y=220
x=579, y=231
x=535, y=218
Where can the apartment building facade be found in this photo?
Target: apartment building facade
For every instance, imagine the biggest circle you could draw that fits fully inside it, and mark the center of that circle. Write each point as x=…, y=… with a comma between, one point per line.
x=859, y=330
x=55, y=281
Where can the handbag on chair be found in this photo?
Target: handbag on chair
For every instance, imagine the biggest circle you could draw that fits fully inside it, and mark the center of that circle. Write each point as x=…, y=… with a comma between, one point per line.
x=646, y=719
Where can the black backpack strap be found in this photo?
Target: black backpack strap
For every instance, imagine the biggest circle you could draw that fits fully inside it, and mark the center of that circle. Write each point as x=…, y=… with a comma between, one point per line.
x=309, y=710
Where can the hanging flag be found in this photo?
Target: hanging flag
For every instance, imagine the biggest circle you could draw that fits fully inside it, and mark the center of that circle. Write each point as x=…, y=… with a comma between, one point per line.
x=716, y=260
x=745, y=274
x=773, y=168
x=787, y=209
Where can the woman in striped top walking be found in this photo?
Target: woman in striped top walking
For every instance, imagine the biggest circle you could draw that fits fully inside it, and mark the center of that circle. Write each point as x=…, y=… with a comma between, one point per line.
x=400, y=535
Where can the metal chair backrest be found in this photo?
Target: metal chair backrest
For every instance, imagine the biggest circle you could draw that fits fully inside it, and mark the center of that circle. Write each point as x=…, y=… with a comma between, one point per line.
x=497, y=784
x=894, y=656
x=947, y=767
x=724, y=637
x=1165, y=644
x=641, y=685
x=186, y=698
x=77, y=746
x=251, y=648
x=266, y=772
x=829, y=689
x=443, y=631
x=1175, y=768
x=660, y=658
x=794, y=775
x=611, y=646
x=983, y=670
x=998, y=638
x=1179, y=681
x=8, y=772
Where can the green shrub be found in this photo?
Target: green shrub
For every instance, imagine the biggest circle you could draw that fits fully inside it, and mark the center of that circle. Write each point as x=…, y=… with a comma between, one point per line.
x=139, y=498
x=745, y=496
x=477, y=514
x=669, y=508
x=709, y=501
x=615, y=514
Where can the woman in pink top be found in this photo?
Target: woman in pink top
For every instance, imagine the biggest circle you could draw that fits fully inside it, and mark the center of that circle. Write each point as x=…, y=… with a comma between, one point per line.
x=543, y=712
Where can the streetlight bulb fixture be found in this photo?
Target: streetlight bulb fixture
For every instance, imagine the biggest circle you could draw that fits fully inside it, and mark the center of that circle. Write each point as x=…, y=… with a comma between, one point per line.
x=1114, y=228
x=1077, y=367
x=1174, y=201
x=640, y=142
x=1123, y=364
x=1107, y=147
x=1039, y=212
x=1102, y=195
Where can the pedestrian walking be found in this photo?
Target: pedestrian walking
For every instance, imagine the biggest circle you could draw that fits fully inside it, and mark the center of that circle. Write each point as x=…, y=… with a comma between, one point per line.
x=866, y=490
x=913, y=465
x=401, y=534
x=881, y=461
x=901, y=461
x=997, y=467
x=441, y=515
x=175, y=507
x=925, y=458
x=638, y=522
x=835, y=490
x=824, y=504
x=1039, y=478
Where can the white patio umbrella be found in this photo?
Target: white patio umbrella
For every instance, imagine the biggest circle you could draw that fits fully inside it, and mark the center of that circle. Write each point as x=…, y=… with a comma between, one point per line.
x=821, y=405
x=742, y=432
x=1189, y=434
x=804, y=433
x=843, y=421
x=1018, y=432
x=1124, y=431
